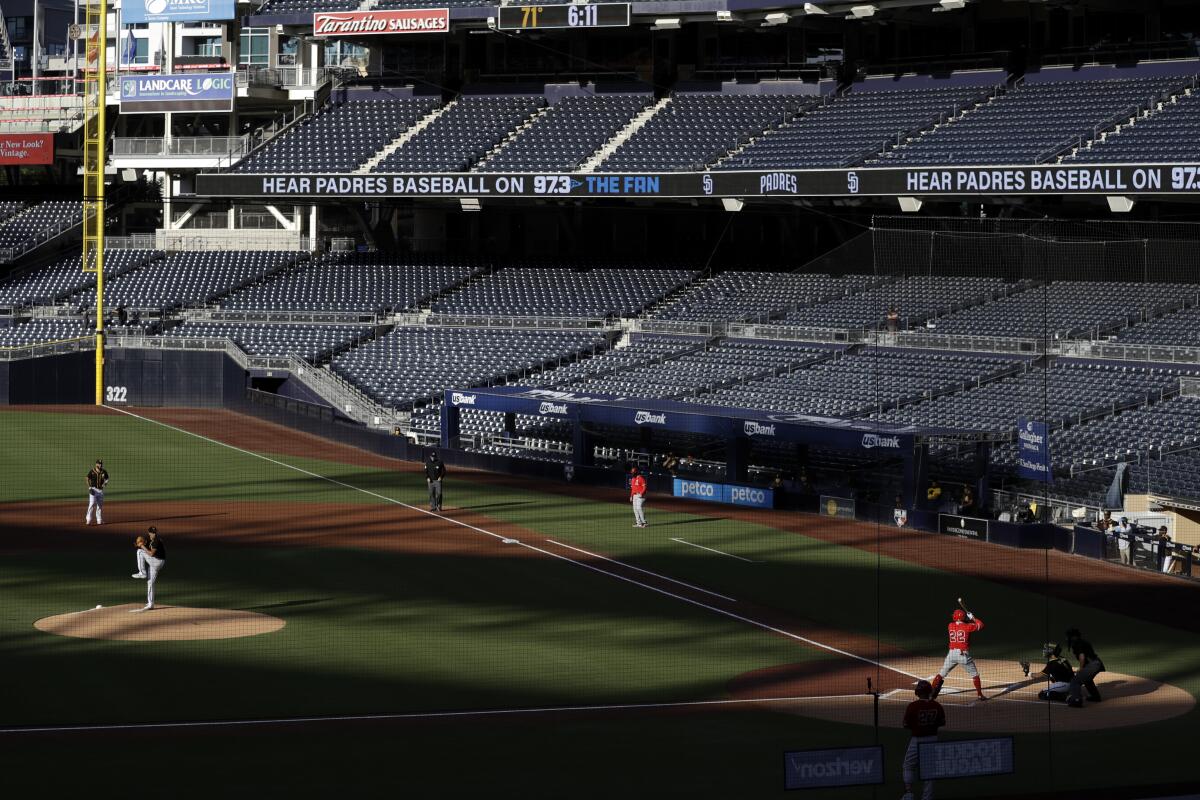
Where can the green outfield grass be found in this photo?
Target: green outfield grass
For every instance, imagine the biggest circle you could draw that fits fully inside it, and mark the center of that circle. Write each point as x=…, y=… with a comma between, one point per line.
x=371, y=632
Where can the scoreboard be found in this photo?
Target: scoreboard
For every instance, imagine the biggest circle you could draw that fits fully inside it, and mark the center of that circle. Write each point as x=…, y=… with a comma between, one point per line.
x=574, y=15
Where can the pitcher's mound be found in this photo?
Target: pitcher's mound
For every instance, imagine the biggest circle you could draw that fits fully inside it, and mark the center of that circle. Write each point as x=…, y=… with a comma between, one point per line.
x=163, y=623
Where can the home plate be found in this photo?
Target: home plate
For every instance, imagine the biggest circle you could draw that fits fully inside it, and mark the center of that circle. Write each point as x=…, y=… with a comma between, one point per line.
x=510, y=541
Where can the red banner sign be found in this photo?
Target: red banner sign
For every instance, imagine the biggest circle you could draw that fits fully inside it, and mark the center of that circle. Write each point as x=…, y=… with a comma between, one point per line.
x=378, y=23
x=26, y=148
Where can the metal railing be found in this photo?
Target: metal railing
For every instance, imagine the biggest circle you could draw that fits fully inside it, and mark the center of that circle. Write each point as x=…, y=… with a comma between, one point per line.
x=343, y=395
x=181, y=146
x=935, y=341
x=1116, y=351
x=46, y=234
x=677, y=327
x=41, y=349
x=283, y=77
x=514, y=322
x=791, y=333
x=317, y=317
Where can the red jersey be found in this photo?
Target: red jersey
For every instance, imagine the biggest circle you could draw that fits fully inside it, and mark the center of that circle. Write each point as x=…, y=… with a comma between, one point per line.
x=924, y=717
x=637, y=486
x=960, y=633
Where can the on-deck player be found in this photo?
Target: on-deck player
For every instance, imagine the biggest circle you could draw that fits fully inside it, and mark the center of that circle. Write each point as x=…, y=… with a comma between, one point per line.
x=923, y=717
x=961, y=626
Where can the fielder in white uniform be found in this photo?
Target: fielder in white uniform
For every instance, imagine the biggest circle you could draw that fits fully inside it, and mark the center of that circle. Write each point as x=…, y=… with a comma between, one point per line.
x=151, y=558
x=97, y=479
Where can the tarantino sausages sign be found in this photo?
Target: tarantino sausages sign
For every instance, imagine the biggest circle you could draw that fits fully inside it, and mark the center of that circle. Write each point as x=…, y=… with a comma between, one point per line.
x=378, y=23
x=1058, y=179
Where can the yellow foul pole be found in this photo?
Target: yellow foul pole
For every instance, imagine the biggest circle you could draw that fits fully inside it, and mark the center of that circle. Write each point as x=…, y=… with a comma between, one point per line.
x=95, y=78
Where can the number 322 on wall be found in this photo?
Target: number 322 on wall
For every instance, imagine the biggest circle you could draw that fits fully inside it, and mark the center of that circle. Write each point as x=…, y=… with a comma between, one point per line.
x=115, y=394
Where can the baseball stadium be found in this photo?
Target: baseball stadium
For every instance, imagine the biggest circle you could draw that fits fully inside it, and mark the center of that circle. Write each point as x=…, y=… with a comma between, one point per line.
x=672, y=398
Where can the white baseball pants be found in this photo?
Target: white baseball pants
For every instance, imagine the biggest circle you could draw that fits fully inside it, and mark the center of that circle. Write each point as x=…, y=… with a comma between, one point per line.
x=95, y=504
x=910, y=765
x=956, y=658
x=639, y=503
x=149, y=566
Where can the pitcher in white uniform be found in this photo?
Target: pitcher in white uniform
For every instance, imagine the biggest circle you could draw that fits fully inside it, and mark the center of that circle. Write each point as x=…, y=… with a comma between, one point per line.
x=151, y=558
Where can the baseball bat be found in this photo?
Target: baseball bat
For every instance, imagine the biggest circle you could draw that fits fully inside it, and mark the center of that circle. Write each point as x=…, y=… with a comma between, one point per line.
x=963, y=605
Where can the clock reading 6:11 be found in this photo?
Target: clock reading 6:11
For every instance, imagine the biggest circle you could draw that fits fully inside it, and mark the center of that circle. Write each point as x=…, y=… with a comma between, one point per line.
x=575, y=15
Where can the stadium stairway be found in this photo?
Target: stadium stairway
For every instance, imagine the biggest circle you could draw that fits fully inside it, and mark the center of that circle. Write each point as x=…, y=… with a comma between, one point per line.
x=992, y=97
x=403, y=138
x=524, y=126
x=596, y=159
x=800, y=112
x=1153, y=111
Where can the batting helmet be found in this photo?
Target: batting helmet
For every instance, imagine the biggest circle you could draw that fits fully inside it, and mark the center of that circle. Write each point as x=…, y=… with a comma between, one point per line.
x=1051, y=649
x=959, y=615
x=923, y=689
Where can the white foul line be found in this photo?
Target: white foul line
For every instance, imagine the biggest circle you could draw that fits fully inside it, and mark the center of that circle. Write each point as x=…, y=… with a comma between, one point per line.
x=711, y=550
x=639, y=569
x=697, y=603
x=496, y=712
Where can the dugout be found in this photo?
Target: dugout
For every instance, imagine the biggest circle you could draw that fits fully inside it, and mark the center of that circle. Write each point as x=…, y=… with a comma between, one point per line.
x=587, y=416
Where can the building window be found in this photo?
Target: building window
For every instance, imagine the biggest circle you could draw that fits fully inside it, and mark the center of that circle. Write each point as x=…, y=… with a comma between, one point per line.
x=18, y=28
x=256, y=46
x=207, y=45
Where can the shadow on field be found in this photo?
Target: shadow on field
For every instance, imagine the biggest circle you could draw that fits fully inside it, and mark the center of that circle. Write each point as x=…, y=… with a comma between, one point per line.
x=286, y=604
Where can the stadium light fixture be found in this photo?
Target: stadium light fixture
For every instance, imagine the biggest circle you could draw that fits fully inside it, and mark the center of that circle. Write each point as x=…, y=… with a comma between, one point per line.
x=733, y=204
x=862, y=12
x=910, y=205
x=776, y=18
x=809, y=8
x=1119, y=204
x=667, y=24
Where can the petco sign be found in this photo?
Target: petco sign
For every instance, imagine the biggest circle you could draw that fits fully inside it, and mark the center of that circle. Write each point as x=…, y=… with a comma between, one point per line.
x=750, y=496
x=376, y=23
x=873, y=440
x=460, y=399
x=175, y=10
x=154, y=94
x=818, y=769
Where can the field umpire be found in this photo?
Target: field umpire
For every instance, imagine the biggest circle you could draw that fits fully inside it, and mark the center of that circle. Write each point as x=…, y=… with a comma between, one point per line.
x=435, y=470
x=97, y=479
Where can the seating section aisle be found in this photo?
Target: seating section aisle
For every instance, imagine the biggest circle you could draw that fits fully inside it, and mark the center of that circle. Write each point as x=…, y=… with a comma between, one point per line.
x=1181, y=329
x=695, y=129
x=48, y=285
x=857, y=383
x=366, y=282
x=696, y=371
x=339, y=137
x=409, y=365
x=915, y=299
x=39, y=222
x=852, y=128
x=567, y=134
x=463, y=134
x=757, y=296
x=1028, y=124
x=560, y=291
x=1065, y=308
x=1063, y=393
x=313, y=343
x=1171, y=135
x=186, y=279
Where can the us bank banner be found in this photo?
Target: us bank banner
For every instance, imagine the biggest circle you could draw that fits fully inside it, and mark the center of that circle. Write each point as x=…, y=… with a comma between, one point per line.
x=175, y=10
x=1056, y=179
